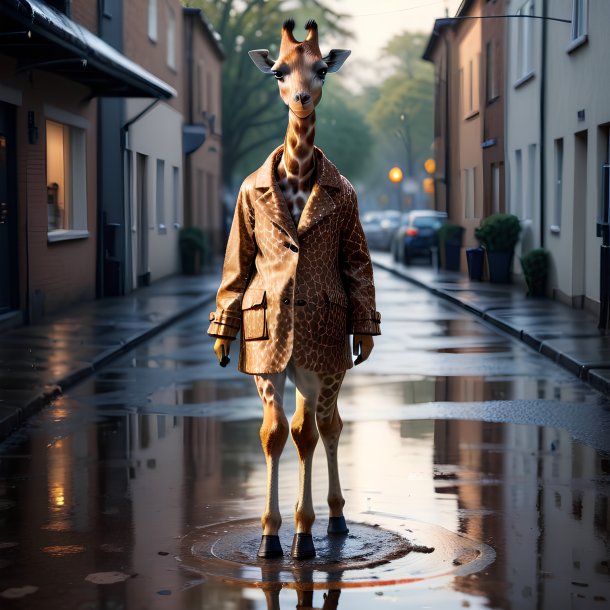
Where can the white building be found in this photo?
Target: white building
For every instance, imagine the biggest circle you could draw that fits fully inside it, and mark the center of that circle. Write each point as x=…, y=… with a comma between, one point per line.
x=557, y=136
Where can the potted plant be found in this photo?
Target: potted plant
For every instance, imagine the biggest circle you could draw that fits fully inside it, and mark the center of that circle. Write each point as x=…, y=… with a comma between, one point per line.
x=535, y=265
x=450, y=245
x=499, y=234
x=475, y=258
x=194, y=250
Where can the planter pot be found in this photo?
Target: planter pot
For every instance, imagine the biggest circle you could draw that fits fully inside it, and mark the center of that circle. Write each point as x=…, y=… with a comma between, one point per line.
x=475, y=258
x=452, y=255
x=191, y=262
x=500, y=263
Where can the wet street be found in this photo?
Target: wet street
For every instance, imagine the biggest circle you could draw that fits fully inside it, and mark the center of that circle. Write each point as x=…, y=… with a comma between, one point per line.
x=142, y=487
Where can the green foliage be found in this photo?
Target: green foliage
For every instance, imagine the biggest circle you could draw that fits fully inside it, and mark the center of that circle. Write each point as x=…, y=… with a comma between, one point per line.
x=535, y=265
x=450, y=233
x=254, y=118
x=195, y=249
x=404, y=107
x=498, y=232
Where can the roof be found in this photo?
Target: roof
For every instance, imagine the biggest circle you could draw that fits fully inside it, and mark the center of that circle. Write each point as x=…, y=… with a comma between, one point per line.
x=53, y=42
x=211, y=34
x=439, y=25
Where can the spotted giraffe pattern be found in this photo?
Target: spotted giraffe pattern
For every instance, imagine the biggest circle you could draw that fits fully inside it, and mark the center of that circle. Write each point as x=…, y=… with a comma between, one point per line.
x=296, y=292
x=296, y=169
x=316, y=415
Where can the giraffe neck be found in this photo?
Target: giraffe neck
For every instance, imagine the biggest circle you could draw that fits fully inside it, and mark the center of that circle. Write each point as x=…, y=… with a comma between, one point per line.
x=296, y=169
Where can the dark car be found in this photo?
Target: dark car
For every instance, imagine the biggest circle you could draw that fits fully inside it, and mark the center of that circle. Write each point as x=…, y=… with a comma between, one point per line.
x=416, y=235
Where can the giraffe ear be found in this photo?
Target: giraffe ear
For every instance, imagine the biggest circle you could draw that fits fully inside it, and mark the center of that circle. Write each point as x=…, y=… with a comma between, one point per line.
x=262, y=60
x=336, y=58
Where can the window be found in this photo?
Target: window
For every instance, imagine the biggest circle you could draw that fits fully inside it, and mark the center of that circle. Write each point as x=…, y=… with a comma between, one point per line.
x=176, y=196
x=528, y=211
x=66, y=181
x=171, y=39
x=524, y=40
x=160, y=196
x=580, y=18
x=518, y=197
x=469, y=194
x=491, y=80
x=558, y=194
x=496, y=173
x=152, y=20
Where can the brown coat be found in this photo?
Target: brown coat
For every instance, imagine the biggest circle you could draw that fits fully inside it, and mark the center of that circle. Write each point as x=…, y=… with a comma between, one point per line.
x=296, y=292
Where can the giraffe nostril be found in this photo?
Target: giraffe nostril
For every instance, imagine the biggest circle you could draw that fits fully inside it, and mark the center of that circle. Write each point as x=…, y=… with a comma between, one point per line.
x=305, y=97
x=297, y=97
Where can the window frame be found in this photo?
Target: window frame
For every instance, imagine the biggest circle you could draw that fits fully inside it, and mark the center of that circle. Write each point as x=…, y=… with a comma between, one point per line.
x=74, y=179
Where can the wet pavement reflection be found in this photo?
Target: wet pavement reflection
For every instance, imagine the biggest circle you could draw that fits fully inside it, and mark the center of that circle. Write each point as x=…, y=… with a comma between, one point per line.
x=449, y=426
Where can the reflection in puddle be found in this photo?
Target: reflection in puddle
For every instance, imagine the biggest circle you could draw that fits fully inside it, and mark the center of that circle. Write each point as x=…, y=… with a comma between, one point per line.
x=118, y=498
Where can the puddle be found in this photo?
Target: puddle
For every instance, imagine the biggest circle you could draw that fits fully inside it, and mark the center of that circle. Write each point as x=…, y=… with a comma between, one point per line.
x=384, y=551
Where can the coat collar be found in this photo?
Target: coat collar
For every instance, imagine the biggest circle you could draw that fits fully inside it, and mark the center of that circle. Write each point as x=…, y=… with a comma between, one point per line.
x=319, y=204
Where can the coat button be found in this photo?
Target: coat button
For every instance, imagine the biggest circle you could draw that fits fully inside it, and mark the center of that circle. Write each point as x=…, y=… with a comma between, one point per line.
x=301, y=302
x=286, y=301
x=294, y=248
x=287, y=244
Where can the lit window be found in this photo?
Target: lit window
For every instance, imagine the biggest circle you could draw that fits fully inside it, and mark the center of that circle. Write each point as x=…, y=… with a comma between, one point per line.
x=152, y=20
x=171, y=39
x=469, y=192
x=580, y=14
x=518, y=196
x=176, y=196
x=66, y=178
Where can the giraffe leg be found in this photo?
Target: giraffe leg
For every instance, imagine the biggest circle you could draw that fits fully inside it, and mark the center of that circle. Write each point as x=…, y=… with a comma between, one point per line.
x=330, y=426
x=305, y=436
x=273, y=433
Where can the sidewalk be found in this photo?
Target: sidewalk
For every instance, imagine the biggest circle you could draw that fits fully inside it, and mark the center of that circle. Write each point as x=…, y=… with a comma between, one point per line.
x=39, y=362
x=567, y=336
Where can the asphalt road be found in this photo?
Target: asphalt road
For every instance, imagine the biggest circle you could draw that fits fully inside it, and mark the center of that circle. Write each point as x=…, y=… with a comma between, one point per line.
x=126, y=492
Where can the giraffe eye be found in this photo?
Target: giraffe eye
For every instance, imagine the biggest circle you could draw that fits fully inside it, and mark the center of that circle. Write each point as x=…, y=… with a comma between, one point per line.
x=278, y=74
x=322, y=73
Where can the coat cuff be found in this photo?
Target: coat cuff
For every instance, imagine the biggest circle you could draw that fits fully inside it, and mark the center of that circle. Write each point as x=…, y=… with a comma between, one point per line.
x=224, y=324
x=366, y=326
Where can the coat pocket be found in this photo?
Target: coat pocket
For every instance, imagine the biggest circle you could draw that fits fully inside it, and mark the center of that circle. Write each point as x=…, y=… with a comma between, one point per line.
x=254, y=315
x=334, y=330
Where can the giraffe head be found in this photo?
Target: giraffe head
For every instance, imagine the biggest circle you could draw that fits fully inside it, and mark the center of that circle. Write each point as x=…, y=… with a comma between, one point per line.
x=300, y=68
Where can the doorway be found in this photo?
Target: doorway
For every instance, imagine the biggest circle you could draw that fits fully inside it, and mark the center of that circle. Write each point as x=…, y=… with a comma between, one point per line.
x=579, y=249
x=142, y=272
x=9, y=299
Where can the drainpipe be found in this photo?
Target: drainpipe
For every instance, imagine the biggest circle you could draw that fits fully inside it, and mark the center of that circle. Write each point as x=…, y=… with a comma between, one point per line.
x=543, y=124
x=447, y=131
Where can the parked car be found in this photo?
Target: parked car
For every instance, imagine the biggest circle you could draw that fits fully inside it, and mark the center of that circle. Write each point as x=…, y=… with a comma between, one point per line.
x=379, y=228
x=416, y=235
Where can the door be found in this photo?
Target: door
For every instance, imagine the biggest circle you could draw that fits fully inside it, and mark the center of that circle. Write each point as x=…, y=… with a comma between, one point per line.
x=8, y=210
x=143, y=274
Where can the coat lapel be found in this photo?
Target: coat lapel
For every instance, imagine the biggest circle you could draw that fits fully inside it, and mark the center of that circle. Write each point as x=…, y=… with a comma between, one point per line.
x=320, y=204
x=271, y=202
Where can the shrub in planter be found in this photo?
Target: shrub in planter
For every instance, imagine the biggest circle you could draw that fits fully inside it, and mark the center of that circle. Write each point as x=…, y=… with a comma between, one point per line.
x=499, y=234
x=535, y=265
x=194, y=250
x=450, y=244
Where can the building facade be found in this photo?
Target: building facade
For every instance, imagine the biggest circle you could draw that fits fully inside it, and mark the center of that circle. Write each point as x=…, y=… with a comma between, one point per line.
x=53, y=71
x=468, y=54
x=94, y=141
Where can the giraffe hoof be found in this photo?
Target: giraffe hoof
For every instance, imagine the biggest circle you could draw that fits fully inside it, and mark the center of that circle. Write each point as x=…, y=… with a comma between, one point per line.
x=302, y=547
x=337, y=526
x=270, y=547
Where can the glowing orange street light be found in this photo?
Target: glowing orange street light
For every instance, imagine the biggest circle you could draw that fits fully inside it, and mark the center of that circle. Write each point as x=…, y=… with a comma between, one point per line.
x=428, y=185
x=430, y=166
x=395, y=174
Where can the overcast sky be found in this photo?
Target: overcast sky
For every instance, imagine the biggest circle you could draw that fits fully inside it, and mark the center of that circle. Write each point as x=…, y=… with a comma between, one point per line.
x=374, y=22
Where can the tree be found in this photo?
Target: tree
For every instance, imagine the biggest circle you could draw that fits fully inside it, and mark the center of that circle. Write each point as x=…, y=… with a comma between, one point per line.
x=405, y=104
x=253, y=115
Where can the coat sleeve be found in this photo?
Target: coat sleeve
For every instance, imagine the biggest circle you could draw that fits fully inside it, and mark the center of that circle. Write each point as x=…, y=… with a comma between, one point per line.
x=238, y=264
x=357, y=271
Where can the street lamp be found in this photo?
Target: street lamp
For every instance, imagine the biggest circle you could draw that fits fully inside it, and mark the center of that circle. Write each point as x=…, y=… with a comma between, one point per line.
x=395, y=175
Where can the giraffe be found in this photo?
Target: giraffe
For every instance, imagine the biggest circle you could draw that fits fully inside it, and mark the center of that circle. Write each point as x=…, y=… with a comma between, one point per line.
x=300, y=71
